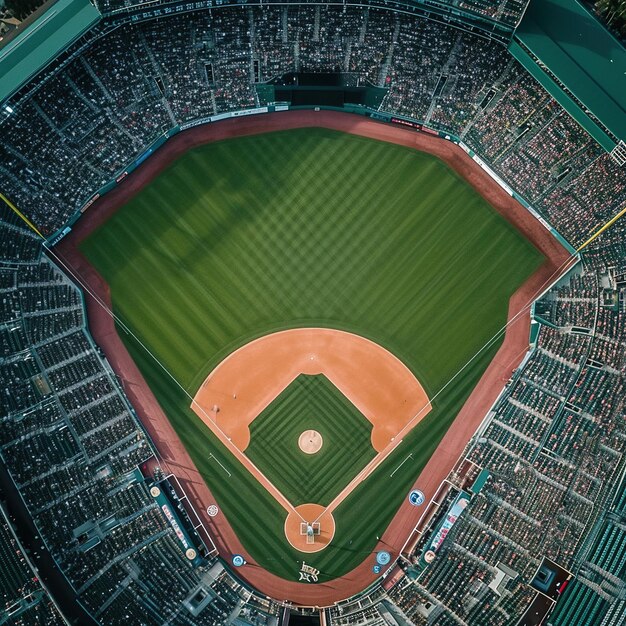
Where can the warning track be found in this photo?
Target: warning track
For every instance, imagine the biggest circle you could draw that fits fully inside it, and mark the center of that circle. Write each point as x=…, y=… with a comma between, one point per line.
x=172, y=453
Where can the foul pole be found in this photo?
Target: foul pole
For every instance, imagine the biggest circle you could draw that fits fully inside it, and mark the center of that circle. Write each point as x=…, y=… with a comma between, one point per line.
x=602, y=229
x=20, y=215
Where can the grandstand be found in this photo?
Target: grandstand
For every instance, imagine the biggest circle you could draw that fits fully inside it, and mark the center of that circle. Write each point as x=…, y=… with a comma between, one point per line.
x=115, y=84
x=24, y=600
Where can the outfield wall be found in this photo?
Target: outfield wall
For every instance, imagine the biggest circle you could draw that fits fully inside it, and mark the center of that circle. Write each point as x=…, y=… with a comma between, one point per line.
x=405, y=122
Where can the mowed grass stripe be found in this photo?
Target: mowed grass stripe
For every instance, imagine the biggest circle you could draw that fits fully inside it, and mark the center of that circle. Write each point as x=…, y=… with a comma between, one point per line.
x=310, y=403
x=310, y=228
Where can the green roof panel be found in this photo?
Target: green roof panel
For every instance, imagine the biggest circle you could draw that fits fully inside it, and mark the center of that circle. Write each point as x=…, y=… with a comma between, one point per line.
x=42, y=40
x=582, y=56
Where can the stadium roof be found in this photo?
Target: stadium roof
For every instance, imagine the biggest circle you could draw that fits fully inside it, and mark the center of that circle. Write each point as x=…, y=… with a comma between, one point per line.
x=579, y=62
x=42, y=40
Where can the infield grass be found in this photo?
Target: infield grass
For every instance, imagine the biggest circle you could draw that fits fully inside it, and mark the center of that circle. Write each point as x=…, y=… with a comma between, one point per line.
x=310, y=228
x=310, y=403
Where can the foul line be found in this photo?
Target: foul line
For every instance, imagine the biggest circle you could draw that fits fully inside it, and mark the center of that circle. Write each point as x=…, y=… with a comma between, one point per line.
x=212, y=456
x=83, y=283
x=384, y=454
x=401, y=464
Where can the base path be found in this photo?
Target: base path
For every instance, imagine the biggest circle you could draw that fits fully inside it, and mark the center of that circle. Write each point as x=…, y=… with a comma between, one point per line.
x=173, y=455
x=384, y=390
x=378, y=384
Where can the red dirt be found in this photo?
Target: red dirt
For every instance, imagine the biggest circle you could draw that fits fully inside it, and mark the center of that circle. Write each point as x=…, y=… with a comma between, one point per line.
x=172, y=453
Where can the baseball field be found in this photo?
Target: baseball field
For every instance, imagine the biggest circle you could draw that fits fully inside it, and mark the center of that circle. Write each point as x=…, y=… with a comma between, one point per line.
x=310, y=228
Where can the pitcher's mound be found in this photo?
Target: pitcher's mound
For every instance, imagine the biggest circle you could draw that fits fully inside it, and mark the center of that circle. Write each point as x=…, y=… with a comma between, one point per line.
x=310, y=441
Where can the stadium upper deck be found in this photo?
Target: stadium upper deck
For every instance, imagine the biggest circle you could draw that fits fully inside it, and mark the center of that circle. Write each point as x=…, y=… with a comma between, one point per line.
x=579, y=62
x=42, y=41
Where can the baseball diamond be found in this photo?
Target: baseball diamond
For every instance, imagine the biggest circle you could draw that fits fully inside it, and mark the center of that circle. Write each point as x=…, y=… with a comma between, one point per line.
x=276, y=375
x=309, y=247
x=344, y=447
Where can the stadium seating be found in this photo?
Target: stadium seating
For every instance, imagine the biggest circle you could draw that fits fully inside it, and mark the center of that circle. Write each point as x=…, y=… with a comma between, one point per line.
x=95, y=115
x=71, y=445
x=22, y=598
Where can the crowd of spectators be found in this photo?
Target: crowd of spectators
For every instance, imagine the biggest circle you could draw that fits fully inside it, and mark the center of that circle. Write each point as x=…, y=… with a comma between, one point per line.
x=554, y=445
x=91, y=118
x=23, y=601
x=571, y=304
x=72, y=445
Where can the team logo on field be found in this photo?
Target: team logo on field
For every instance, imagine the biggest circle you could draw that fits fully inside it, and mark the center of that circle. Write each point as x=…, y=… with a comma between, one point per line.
x=416, y=497
x=308, y=574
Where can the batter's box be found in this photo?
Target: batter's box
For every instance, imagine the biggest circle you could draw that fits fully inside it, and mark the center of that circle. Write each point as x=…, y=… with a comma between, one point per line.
x=315, y=525
x=310, y=530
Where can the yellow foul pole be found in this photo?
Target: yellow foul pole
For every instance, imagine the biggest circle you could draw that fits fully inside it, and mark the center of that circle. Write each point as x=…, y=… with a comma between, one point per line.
x=20, y=214
x=602, y=229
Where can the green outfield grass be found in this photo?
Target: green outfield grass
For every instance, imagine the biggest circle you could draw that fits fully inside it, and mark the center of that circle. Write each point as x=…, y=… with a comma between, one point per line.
x=310, y=403
x=310, y=228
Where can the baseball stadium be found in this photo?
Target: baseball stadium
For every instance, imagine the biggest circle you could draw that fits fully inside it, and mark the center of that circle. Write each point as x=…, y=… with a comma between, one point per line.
x=313, y=313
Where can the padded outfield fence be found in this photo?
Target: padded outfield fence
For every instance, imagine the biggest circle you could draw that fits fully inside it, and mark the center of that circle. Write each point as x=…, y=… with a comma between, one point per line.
x=273, y=108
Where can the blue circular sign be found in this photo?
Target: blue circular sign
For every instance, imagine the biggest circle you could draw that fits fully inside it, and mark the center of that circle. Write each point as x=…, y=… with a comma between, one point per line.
x=383, y=557
x=376, y=569
x=238, y=560
x=416, y=497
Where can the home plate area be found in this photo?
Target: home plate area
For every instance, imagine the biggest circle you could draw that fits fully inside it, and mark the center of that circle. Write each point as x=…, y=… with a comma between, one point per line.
x=344, y=399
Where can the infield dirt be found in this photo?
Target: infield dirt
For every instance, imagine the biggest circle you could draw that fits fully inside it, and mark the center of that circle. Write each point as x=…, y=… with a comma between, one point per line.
x=383, y=389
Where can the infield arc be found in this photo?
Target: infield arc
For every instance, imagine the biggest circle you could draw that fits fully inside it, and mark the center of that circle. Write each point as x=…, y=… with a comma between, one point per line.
x=379, y=384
